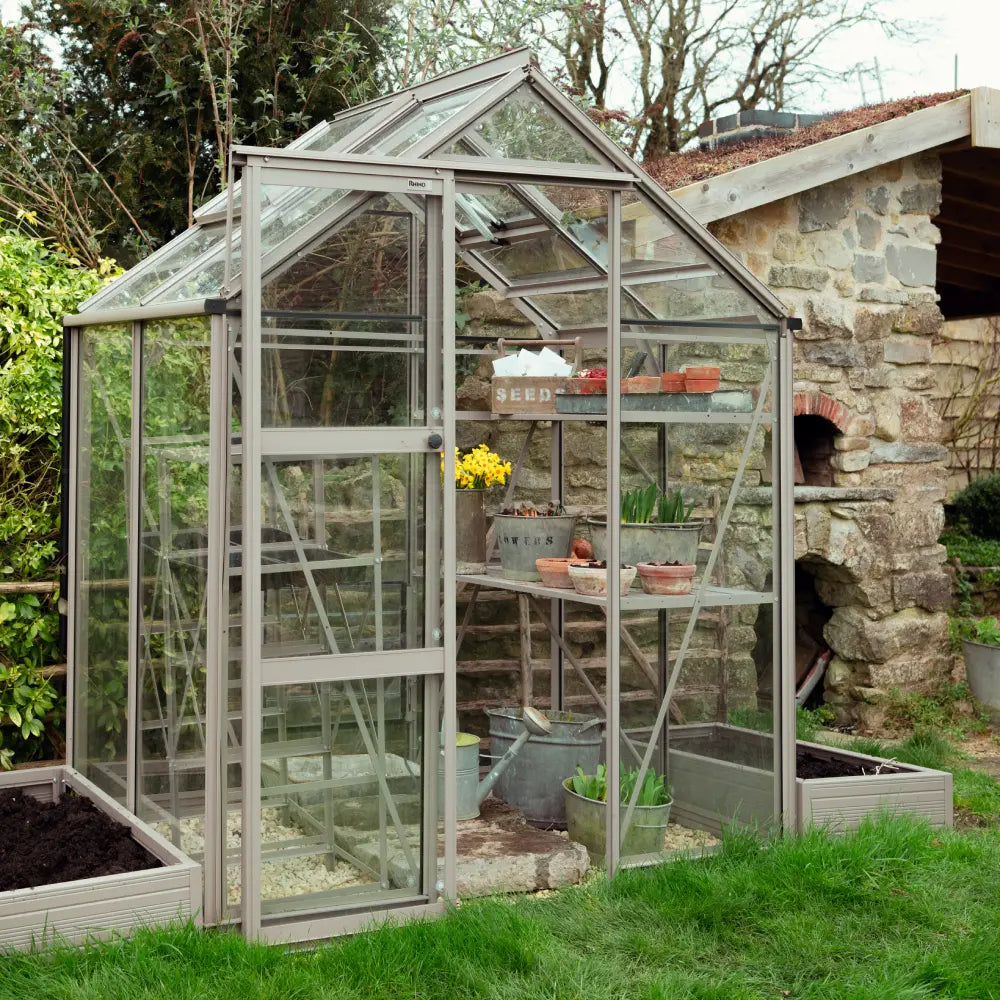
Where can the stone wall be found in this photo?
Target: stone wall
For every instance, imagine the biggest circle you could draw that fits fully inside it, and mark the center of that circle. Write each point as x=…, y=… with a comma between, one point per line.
x=966, y=360
x=855, y=260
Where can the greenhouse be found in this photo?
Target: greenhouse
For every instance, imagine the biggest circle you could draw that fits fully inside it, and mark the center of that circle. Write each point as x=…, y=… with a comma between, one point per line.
x=272, y=574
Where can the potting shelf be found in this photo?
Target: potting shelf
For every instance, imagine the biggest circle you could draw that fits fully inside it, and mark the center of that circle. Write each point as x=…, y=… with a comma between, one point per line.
x=627, y=416
x=712, y=597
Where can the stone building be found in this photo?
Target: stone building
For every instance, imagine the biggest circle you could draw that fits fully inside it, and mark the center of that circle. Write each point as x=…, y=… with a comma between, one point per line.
x=878, y=229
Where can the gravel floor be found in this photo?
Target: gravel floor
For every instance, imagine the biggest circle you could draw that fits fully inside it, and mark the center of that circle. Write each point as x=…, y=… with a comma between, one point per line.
x=288, y=877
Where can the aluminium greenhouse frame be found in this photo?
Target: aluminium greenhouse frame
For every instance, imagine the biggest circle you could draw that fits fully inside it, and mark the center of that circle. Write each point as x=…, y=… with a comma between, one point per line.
x=440, y=183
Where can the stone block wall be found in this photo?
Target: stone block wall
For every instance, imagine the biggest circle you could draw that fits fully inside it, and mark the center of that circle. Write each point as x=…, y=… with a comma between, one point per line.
x=966, y=359
x=856, y=260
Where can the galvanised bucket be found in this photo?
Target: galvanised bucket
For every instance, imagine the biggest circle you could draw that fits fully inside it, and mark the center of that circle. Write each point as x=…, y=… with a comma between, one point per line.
x=676, y=543
x=982, y=669
x=522, y=540
x=533, y=781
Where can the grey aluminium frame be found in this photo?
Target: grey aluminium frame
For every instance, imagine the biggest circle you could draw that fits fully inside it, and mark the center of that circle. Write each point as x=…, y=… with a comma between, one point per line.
x=430, y=662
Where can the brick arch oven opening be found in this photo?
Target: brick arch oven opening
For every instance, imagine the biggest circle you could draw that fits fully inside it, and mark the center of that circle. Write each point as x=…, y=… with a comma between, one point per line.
x=819, y=422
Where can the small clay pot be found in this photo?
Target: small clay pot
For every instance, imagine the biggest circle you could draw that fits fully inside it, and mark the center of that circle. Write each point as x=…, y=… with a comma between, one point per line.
x=591, y=580
x=672, y=382
x=702, y=371
x=701, y=384
x=555, y=572
x=661, y=578
x=642, y=383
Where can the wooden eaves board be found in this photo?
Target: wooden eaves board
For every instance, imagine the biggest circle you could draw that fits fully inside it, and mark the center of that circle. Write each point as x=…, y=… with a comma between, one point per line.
x=974, y=116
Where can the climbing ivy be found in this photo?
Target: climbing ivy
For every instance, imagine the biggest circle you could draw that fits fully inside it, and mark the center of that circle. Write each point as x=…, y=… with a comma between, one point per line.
x=39, y=284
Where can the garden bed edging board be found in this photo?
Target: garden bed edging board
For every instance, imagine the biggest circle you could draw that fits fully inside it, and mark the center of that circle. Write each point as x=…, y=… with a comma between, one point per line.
x=72, y=912
x=710, y=791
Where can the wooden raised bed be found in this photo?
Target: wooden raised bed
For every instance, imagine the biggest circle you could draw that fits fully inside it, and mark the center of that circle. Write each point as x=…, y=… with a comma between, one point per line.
x=97, y=907
x=722, y=773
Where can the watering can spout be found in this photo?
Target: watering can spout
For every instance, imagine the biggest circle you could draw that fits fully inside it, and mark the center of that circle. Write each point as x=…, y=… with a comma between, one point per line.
x=535, y=724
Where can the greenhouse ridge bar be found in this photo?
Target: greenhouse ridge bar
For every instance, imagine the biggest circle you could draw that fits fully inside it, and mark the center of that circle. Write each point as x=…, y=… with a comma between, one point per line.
x=262, y=567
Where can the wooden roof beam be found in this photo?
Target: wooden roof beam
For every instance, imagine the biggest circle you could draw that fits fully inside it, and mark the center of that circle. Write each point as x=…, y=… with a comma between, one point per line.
x=969, y=260
x=968, y=215
x=975, y=189
x=955, y=238
x=961, y=278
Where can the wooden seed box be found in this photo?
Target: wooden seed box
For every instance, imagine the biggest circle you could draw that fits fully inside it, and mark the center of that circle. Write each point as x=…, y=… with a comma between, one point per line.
x=511, y=394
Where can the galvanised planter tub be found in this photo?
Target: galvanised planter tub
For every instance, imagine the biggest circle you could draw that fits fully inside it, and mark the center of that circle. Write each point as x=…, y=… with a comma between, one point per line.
x=720, y=774
x=97, y=907
x=586, y=821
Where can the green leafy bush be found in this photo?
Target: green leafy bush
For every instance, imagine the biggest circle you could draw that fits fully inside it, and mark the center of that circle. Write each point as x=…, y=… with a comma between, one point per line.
x=38, y=286
x=978, y=506
x=984, y=630
x=970, y=550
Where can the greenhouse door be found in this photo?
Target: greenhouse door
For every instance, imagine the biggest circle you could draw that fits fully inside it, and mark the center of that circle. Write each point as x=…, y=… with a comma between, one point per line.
x=348, y=592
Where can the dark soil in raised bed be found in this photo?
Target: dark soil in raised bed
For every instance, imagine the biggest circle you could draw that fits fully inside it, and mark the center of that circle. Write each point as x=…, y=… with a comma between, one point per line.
x=46, y=842
x=809, y=764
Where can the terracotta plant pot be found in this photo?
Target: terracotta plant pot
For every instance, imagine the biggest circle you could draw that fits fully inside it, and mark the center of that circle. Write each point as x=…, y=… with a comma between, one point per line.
x=664, y=578
x=701, y=384
x=555, y=572
x=672, y=382
x=589, y=386
x=590, y=579
x=702, y=371
x=642, y=383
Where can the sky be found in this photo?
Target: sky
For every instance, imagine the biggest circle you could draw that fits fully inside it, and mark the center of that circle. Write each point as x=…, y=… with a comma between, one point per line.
x=966, y=28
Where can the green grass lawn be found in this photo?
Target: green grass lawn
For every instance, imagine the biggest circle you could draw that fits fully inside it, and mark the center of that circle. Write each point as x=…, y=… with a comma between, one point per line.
x=896, y=911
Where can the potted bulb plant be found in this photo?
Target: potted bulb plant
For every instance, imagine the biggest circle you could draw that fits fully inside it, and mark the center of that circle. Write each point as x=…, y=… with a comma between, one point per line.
x=656, y=527
x=586, y=797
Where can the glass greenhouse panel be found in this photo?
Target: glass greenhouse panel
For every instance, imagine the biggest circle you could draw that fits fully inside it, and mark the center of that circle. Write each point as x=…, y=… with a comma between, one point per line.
x=173, y=615
x=344, y=324
x=574, y=309
x=524, y=127
x=540, y=256
x=331, y=133
x=204, y=281
x=424, y=120
x=141, y=283
x=287, y=210
x=696, y=694
x=343, y=554
x=341, y=794
x=101, y=641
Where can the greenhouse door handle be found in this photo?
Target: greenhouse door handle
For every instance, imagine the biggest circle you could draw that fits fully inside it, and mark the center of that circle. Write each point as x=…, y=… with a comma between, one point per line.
x=435, y=441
